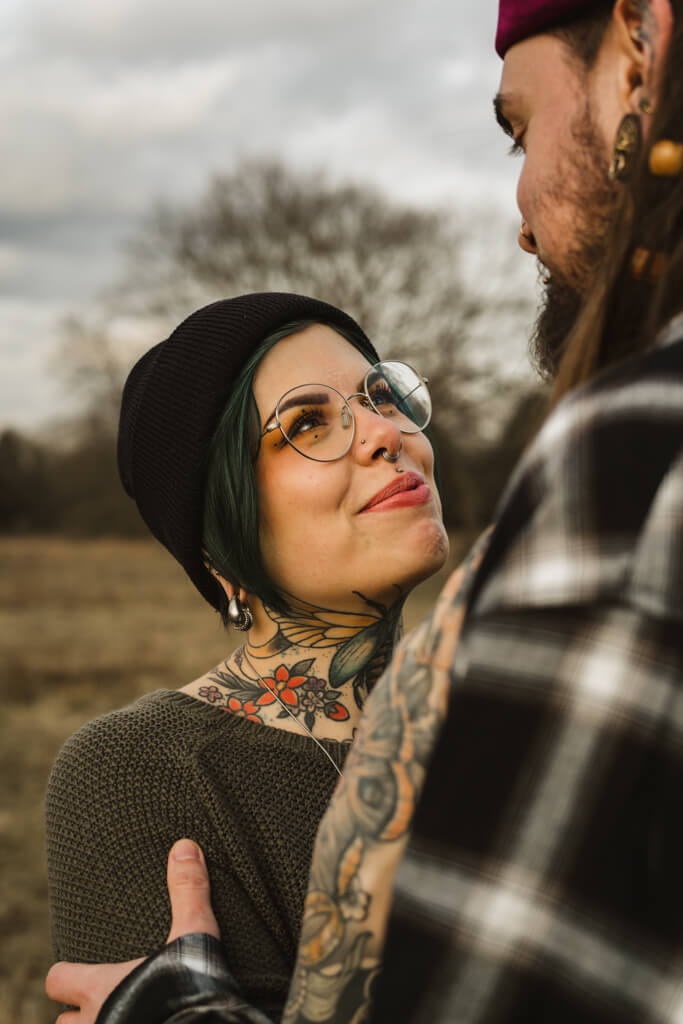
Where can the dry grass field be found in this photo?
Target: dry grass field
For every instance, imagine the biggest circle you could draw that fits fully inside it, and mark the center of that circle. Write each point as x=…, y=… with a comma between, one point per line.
x=85, y=626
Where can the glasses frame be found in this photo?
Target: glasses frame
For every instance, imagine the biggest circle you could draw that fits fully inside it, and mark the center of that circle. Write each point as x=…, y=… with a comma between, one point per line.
x=276, y=425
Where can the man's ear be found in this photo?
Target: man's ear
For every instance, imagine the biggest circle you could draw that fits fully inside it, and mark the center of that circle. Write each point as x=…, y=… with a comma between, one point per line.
x=642, y=33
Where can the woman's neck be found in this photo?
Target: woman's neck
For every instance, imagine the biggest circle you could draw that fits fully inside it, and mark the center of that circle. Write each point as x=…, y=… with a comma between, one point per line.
x=313, y=673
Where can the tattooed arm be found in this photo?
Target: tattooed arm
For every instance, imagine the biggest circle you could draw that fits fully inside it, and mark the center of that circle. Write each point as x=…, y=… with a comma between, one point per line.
x=365, y=830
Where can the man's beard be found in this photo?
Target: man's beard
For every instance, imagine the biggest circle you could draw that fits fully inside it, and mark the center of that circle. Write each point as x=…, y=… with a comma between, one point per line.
x=593, y=197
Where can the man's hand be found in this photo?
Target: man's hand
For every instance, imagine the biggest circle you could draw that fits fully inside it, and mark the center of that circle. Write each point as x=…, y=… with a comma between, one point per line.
x=88, y=985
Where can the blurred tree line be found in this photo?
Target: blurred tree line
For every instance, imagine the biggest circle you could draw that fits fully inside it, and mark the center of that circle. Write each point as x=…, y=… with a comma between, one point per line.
x=395, y=268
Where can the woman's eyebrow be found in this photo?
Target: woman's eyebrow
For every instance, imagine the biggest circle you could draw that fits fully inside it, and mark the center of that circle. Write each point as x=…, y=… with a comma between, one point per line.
x=321, y=398
x=317, y=397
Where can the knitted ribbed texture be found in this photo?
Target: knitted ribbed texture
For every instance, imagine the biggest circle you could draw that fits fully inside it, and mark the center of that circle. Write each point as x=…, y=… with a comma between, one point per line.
x=173, y=400
x=130, y=783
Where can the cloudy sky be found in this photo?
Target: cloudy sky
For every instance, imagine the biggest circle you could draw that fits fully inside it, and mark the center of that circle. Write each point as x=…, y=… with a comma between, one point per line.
x=107, y=105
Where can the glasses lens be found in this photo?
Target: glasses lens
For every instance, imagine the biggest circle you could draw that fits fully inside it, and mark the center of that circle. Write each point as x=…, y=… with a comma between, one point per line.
x=399, y=393
x=317, y=421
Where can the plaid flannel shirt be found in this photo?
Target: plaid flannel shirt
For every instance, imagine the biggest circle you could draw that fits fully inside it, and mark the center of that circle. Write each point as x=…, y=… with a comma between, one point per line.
x=544, y=880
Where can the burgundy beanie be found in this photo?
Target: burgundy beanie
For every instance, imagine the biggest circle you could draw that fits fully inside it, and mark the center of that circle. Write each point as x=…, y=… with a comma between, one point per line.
x=173, y=399
x=519, y=19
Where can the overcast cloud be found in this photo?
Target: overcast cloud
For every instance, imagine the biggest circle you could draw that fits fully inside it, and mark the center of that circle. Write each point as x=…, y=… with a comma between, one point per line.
x=107, y=105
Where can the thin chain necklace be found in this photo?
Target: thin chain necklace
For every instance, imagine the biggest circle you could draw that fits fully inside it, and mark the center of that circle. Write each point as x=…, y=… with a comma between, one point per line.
x=302, y=725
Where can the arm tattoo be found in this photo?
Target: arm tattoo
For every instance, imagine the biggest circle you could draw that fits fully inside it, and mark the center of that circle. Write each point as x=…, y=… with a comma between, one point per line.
x=364, y=832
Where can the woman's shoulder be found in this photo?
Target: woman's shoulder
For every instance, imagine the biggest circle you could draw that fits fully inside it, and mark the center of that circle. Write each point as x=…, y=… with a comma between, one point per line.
x=160, y=727
x=126, y=724
x=137, y=765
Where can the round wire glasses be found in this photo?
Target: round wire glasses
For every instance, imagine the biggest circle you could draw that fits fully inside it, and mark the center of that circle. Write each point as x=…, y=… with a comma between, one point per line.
x=318, y=422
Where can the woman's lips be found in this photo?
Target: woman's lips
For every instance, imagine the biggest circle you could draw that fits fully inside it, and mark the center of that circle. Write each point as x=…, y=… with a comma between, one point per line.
x=408, y=489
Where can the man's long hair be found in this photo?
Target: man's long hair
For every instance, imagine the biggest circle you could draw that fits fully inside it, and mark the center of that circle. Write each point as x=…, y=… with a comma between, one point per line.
x=625, y=309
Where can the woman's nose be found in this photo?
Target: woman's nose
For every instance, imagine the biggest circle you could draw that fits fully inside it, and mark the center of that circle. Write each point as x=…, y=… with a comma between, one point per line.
x=374, y=433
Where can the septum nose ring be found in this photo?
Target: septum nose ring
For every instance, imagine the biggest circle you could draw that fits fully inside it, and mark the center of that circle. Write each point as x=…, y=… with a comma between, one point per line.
x=392, y=458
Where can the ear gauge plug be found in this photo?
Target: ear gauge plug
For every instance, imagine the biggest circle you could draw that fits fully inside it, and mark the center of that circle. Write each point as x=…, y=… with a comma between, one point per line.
x=626, y=148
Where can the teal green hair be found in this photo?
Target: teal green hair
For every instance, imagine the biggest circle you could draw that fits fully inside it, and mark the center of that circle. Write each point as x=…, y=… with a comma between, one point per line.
x=231, y=541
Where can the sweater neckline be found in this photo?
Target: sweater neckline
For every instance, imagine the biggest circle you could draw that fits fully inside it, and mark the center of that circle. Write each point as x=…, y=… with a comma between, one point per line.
x=252, y=732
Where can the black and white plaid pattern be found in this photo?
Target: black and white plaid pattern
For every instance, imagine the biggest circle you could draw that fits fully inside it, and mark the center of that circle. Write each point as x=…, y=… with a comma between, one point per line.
x=187, y=982
x=544, y=878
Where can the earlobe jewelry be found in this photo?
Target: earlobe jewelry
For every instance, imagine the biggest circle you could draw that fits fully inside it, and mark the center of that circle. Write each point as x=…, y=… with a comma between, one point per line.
x=645, y=106
x=626, y=148
x=240, y=615
x=666, y=159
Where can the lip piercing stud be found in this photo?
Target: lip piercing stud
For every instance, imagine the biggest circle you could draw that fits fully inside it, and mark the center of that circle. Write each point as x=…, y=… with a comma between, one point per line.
x=363, y=441
x=400, y=470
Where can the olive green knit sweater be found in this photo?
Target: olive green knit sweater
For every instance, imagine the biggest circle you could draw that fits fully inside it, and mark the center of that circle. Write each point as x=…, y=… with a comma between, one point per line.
x=127, y=785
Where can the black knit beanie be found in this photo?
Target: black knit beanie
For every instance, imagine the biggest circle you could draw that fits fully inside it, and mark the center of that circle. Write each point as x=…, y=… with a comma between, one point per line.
x=172, y=402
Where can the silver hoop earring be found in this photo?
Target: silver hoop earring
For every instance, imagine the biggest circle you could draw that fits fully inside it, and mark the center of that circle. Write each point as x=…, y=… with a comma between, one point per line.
x=240, y=615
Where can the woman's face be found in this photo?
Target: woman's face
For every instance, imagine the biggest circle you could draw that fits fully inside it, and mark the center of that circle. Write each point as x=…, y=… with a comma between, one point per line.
x=319, y=539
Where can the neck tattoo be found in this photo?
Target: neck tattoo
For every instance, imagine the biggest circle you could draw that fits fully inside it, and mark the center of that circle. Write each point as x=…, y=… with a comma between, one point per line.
x=316, y=667
x=297, y=719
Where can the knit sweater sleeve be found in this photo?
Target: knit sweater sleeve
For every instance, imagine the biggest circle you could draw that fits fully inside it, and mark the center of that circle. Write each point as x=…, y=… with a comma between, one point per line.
x=117, y=799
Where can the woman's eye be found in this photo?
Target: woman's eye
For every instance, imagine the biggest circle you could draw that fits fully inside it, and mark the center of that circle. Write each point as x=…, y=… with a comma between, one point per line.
x=306, y=421
x=383, y=396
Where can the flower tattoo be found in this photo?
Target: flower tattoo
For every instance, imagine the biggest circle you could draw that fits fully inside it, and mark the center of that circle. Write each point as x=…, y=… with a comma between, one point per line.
x=283, y=685
x=244, y=710
x=305, y=695
x=211, y=693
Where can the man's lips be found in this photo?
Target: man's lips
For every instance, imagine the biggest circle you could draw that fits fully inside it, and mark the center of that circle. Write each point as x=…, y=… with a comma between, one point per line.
x=407, y=489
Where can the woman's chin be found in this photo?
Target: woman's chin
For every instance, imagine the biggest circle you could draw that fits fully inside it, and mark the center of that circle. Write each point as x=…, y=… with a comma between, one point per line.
x=435, y=546
x=424, y=557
